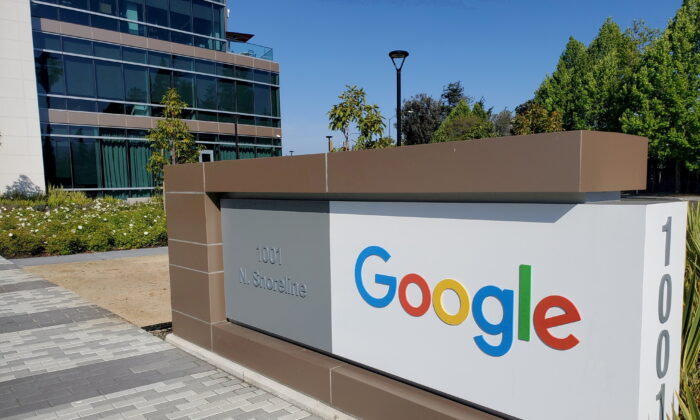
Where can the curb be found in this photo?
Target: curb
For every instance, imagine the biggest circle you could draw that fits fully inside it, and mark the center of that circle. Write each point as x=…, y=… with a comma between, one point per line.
x=309, y=404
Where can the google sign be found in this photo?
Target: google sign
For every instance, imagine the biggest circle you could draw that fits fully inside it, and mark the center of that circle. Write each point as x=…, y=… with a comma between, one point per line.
x=505, y=297
x=533, y=311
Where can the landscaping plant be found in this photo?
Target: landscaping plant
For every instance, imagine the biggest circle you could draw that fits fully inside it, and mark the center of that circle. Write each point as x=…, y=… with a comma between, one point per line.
x=690, y=350
x=69, y=222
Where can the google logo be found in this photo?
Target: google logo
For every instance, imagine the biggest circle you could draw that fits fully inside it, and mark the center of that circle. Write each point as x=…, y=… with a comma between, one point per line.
x=506, y=297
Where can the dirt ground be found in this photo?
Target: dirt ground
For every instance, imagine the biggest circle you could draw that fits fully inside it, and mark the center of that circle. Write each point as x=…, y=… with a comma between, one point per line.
x=137, y=289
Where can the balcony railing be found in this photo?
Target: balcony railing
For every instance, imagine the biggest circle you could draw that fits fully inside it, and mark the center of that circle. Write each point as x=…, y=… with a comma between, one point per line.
x=250, y=50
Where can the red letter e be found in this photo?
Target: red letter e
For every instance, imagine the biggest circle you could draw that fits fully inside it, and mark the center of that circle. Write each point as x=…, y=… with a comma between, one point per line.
x=543, y=324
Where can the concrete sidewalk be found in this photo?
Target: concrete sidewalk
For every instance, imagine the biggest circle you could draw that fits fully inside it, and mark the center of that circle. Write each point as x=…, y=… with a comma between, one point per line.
x=94, y=256
x=61, y=357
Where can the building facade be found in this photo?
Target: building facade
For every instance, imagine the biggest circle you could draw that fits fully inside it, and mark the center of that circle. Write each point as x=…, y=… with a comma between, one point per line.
x=100, y=69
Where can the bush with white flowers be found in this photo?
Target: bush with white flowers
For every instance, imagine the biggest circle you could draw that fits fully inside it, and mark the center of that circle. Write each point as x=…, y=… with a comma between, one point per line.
x=70, y=228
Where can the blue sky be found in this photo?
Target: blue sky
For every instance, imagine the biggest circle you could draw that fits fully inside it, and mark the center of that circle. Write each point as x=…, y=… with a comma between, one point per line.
x=500, y=49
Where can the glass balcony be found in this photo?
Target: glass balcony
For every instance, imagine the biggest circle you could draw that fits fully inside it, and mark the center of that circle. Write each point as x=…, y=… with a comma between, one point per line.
x=250, y=50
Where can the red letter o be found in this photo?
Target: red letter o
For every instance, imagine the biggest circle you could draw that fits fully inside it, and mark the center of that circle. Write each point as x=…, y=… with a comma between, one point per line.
x=424, y=289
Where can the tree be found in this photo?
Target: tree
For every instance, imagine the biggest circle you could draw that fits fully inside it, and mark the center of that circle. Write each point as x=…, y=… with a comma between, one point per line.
x=587, y=87
x=564, y=91
x=452, y=95
x=503, y=122
x=665, y=92
x=353, y=108
x=380, y=143
x=171, y=141
x=532, y=118
x=420, y=117
x=465, y=123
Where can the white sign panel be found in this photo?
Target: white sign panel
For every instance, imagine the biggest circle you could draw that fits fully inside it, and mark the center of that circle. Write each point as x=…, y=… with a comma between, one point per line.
x=537, y=311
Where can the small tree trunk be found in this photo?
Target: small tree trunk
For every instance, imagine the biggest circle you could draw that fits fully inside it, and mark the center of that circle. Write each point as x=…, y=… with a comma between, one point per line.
x=677, y=181
x=174, y=156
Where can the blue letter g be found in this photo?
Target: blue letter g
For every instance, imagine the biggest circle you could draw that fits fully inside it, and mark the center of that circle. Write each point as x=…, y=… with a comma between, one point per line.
x=378, y=278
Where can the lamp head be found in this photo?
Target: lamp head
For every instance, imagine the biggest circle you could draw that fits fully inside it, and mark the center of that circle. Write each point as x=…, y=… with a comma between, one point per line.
x=398, y=57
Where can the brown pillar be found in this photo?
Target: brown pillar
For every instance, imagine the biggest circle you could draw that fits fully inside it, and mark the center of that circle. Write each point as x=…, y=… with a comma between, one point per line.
x=196, y=254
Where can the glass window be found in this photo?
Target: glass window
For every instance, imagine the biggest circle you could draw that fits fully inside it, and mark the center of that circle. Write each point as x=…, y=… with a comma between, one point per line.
x=202, y=17
x=114, y=163
x=136, y=83
x=113, y=52
x=218, y=23
x=132, y=28
x=263, y=104
x=82, y=130
x=275, y=77
x=49, y=73
x=202, y=42
x=181, y=38
x=184, y=83
x=110, y=82
x=108, y=7
x=110, y=107
x=133, y=55
x=80, y=76
x=58, y=167
x=136, y=134
x=103, y=22
x=159, y=59
x=80, y=105
x=244, y=73
x=276, y=111
x=181, y=15
x=47, y=41
x=226, y=118
x=57, y=103
x=157, y=12
x=84, y=159
x=206, y=92
x=244, y=97
x=207, y=116
x=43, y=11
x=137, y=110
x=157, y=33
x=132, y=9
x=182, y=63
x=227, y=95
x=73, y=16
x=139, y=153
x=203, y=66
x=227, y=70
x=58, y=129
x=246, y=120
x=77, y=46
x=78, y=4
x=160, y=83
x=262, y=76
x=207, y=137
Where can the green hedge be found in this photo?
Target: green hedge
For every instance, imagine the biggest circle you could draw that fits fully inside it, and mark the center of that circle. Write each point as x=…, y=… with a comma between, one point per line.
x=62, y=227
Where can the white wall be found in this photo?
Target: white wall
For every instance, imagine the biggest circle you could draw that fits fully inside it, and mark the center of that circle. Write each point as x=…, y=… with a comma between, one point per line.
x=20, y=144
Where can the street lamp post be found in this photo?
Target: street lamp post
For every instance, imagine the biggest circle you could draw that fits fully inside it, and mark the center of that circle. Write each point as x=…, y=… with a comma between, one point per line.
x=330, y=143
x=398, y=57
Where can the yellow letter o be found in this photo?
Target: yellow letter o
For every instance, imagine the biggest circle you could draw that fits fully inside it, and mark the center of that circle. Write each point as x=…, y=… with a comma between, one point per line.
x=464, y=303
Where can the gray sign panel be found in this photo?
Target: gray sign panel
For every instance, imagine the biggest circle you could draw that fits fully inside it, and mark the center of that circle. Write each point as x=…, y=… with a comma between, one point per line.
x=277, y=267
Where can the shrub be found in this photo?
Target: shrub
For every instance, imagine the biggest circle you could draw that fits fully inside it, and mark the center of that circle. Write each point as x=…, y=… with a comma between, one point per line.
x=59, y=197
x=690, y=353
x=79, y=225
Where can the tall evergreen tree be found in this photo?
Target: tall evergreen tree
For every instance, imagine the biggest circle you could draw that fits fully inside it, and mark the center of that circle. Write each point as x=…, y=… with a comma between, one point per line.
x=565, y=90
x=665, y=93
x=587, y=88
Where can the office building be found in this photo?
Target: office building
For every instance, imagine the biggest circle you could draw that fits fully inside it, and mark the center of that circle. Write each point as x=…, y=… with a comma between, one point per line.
x=81, y=83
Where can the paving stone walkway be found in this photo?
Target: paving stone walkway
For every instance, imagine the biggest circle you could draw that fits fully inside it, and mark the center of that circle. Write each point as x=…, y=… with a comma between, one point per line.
x=61, y=357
